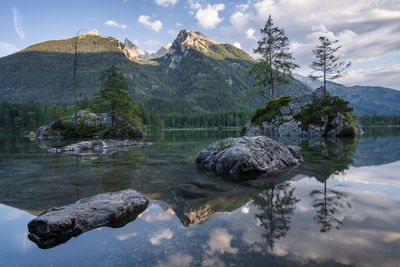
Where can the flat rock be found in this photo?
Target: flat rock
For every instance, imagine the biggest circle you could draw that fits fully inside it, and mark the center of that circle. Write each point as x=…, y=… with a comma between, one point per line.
x=113, y=209
x=246, y=157
x=101, y=146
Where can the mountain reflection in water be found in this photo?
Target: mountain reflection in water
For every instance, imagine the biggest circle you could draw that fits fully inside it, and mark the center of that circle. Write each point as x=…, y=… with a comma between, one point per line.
x=340, y=208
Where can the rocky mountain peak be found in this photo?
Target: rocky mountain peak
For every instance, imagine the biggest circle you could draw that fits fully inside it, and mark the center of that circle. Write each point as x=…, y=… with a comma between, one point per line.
x=92, y=32
x=135, y=51
x=193, y=39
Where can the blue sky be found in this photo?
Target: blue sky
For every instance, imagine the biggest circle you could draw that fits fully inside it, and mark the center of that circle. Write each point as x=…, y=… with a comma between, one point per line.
x=368, y=29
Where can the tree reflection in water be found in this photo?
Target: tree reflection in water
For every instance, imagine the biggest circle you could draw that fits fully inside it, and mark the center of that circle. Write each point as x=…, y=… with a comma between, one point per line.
x=328, y=203
x=276, y=204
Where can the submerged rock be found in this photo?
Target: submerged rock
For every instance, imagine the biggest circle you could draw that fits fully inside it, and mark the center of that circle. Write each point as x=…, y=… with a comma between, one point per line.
x=245, y=157
x=308, y=115
x=100, y=146
x=113, y=209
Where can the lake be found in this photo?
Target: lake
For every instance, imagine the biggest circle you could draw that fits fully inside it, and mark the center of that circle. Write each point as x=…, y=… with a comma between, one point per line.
x=342, y=207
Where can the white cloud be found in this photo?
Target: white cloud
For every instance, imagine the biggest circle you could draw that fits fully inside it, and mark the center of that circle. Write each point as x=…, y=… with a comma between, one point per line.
x=152, y=43
x=367, y=30
x=194, y=5
x=166, y=3
x=112, y=23
x=250, y=34
x=17, y=18
x=7, y=48
x=155, y=25
x=237, y=44
x=163, y=234
x=242, y=7
x=220, y=241
x=122, y=237
x=179, y=259
x=208, y=17
x=239, y=20
x=387, y=76
x=159, y=216
x=178, y=24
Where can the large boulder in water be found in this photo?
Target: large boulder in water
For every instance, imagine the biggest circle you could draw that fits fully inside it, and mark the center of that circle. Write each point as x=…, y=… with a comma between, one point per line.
x=246, y=157
x=113, y=209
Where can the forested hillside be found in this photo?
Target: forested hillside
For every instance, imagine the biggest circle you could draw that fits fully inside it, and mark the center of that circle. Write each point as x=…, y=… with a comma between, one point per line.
x=197, y=75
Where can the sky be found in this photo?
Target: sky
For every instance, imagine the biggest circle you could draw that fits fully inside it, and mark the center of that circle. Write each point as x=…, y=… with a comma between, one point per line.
x=369, y=30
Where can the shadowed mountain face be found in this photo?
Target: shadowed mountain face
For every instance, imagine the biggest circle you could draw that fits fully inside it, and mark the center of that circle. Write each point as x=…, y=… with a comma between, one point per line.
x=194, y=74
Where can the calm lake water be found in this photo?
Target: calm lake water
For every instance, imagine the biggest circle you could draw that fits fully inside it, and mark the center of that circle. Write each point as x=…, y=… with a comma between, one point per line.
x=341, y=208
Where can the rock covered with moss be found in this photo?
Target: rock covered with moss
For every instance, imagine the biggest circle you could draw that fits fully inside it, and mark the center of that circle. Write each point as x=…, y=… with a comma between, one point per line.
x=247, y=157
x=308, y=115
x=89, y=125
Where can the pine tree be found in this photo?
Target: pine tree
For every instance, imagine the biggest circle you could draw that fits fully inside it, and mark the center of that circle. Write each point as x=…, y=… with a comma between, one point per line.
x=327, y=61
x=113, y=97
x=276, y=63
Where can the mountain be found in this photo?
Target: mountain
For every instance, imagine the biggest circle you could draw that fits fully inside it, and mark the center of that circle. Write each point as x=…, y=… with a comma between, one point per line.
x=164, y=49
x=365, y=100
x=196, y=74
x=135, y=51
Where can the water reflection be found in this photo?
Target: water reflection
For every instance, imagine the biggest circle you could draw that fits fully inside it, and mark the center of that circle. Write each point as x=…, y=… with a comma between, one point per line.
x=277, y=204
x=328, y=203
x=198, y=219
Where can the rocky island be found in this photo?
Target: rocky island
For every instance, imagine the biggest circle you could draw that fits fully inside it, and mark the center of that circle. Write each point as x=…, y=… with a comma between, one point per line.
x=312, y=114
x=89, y=125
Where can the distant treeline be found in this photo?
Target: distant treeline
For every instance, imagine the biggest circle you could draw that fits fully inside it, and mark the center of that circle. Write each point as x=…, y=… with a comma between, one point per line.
x=15, y=117
x=374, y=120
x=29, y=116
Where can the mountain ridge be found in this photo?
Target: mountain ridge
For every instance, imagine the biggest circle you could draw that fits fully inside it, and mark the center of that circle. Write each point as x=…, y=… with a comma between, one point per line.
x=208, y=77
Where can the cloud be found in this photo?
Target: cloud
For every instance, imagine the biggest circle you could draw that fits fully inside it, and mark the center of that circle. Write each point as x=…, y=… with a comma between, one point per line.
x=163, y=234
x=178, y=24
x=7, y=48
x=179, y=259
x=155, y=25
x=159, y=216
x=112, y=23
x=208, y=17
x=237, y=44
x=122, y=237
x=367, y=29
x=239, y=20
x=220, y=241
x=250, y=34
x=152, y=43
x=17, y=18
x=165, y=3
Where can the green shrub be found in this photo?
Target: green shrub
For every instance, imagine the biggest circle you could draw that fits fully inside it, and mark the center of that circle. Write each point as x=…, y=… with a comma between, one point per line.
x=272, y=109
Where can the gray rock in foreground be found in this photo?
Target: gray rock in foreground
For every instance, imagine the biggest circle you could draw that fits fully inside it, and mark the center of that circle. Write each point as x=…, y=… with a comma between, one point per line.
x=245, y=157
x=113, y=209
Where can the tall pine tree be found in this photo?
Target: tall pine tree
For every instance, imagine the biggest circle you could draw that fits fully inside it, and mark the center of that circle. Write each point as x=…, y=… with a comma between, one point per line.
x=276, y=62
x=327, y=61
x=113, y=97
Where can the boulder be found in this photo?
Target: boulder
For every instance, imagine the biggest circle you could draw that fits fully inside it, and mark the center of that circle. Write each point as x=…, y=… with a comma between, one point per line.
x=246, y=157
x=113, y=209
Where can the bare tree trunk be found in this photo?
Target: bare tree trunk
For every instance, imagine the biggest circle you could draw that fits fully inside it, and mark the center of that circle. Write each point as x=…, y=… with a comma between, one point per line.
x=324, y=69
x=75, y=83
